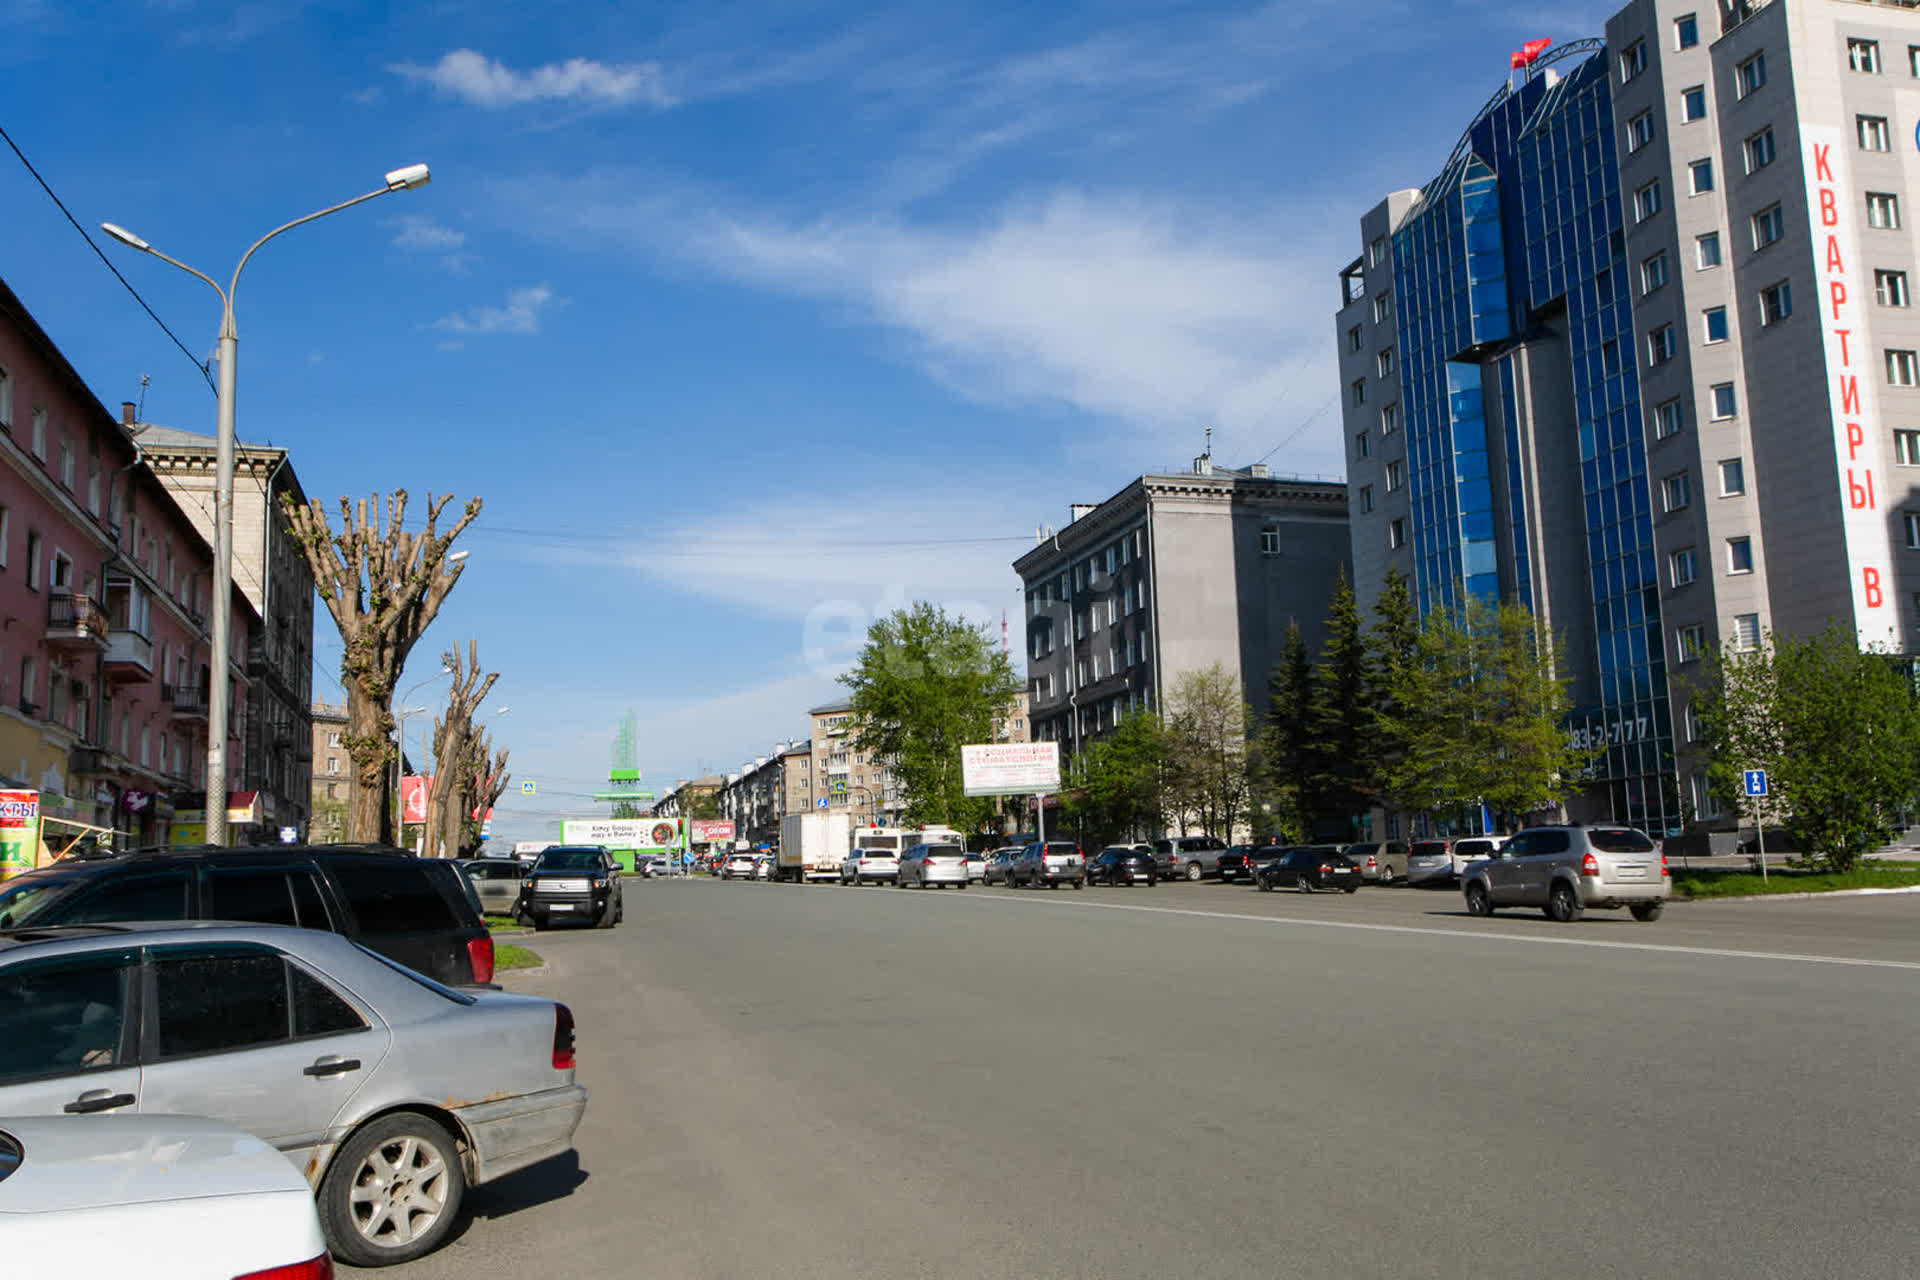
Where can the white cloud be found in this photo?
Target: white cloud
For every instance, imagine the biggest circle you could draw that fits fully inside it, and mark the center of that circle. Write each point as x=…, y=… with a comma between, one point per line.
x=485, y=82
x=423, y=233
x=521, y=314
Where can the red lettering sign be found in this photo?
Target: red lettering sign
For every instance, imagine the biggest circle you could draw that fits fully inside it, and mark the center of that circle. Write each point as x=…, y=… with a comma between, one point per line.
x=1822, y=171
x=1859, y=496
x=1834, y=260
x=1849, y=393
x=1837, y=295
x=1829, y=214
x=1843, y=335
x=1870, y=580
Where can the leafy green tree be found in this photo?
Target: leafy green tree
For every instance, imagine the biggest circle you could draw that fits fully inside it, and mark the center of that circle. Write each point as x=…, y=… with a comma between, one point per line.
x=1478, y=715
x=1340, y=716
x=1836, y=729
x=924, y=686
x=1207, y=718
x=1113, y=784
x=1392, y=648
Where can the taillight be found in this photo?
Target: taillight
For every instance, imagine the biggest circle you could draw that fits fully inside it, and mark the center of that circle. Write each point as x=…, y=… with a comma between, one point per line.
x=480, y=957
x=526, y=884
x=562, y=1038
x=1589, y=865
x=1326, y=866
x=320, y=1268
x=1370, y=862
x=1663, y=865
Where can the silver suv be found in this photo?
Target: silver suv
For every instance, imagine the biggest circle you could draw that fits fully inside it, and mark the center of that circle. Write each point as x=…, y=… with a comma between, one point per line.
x=1188, y=857
x=1565, y=870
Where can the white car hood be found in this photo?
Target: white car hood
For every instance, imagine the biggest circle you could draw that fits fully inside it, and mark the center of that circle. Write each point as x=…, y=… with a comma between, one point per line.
x=90, y=1162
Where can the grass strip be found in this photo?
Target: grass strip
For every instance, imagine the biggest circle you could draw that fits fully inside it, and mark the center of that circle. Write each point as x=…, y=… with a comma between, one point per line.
x=508, y=956
x=1718, y=882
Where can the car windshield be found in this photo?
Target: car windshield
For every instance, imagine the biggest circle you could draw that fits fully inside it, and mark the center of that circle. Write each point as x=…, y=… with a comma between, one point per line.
x=1619, y=840
x=1474, y=848
x=1430, y=849
x=568, y=860
x=943, y=851
x=19, y=900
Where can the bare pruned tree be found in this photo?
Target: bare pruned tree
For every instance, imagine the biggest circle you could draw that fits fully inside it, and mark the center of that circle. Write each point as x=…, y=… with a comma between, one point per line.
x=383, y=587
x=489, y=775
x=453, y=742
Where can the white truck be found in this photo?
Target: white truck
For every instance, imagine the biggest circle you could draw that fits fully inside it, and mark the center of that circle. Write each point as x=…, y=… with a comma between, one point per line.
x=812, y=846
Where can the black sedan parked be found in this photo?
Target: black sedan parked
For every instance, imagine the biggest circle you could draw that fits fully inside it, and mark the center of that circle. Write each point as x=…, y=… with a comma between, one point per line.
x=1308, y=869
x=1238, y=861
x=1117, y=864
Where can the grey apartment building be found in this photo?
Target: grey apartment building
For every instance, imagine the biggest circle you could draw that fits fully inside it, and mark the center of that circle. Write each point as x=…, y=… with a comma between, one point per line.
x=1642, y=355
x=1172, y=574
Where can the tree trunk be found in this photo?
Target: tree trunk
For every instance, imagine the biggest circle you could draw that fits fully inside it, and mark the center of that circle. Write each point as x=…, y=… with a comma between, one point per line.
x=370, y=812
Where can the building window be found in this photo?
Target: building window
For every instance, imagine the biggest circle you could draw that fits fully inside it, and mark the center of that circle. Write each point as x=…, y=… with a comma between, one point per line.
x=1749, y=76
x=1359, y=391
x=333, y=791
x=1680, y=567
x=1661, y=345
x=1633, y=60
x=1690, y=642
x=1396, y=474
x=1863, y=55
x=1776, y=303
x=1354, y=340
x=1911, y=519
x=1903, y=368
x=1646, y=201
x=1390, y=418
x=1733, y=477
x=1363, y=445
x=1693, y=103
x=1700, y=176
x=1706, y=250
x=1713, y=324
x=1382, y=307
x=1366, y=498
x=1640, y=131
x=1676, y=491
x=1725, y=402
x=1653, y=273
x=1906, y=448
x=1739, y=555
x=1376, y=251
x=1883, y=210
x=1873, y=133
x=1396, y=533
x=6, y=400
x=1890, y=288
x=1768, y=225
x=33, y=560
x=333, y=765
x=1270, y=541
x=333, y=741
x=1666, y=419
x=38, y=440
x=1913, y=59
x=1385, y=361
x=1746, y=632
x=1686, y=31
x=1759, y=150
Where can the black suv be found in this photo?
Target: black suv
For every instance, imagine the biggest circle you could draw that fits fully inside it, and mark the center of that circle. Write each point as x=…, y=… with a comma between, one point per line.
x=572, y=882
x=418, y=911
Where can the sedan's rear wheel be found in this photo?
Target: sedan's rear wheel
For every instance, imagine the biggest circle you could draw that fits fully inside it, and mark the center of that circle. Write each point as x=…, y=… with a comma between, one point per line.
x=1193, y=871
x=393, y=1192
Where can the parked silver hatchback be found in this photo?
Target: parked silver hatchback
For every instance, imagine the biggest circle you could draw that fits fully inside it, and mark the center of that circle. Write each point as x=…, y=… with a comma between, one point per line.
x=1565, y=870
x=933, y=864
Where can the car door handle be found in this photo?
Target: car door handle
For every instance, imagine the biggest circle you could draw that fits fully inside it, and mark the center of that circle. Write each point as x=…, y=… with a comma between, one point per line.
x=331, y=1066
x=99, y=1100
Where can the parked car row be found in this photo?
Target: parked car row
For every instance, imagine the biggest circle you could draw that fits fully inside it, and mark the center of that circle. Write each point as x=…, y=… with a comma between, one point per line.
x=349, y=1021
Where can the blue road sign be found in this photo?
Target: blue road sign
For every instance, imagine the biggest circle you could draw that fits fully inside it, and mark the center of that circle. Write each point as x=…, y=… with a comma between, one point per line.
x=527, y=788
x=821, y=803
x=1755, y=781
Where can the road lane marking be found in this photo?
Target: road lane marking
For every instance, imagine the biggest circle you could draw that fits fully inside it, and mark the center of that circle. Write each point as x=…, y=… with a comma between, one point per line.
x=1725, y=953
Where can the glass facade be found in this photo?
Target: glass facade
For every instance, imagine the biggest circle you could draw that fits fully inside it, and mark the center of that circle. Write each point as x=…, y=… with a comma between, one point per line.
x=1511, y=288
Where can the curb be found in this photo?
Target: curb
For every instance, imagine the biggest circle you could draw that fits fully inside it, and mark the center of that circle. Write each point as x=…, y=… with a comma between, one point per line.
x=1801, y=897
x=526, y=971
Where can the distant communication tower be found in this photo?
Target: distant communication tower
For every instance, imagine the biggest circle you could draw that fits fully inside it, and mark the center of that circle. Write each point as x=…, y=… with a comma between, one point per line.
x=623, y=776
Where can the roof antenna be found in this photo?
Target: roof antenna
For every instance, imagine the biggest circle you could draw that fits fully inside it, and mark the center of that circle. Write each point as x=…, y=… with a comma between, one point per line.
x=1208, y=451
x=140, y=414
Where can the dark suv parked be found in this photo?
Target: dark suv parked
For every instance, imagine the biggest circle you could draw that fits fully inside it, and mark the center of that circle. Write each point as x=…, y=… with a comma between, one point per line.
x=418, y=911
x=572, y=882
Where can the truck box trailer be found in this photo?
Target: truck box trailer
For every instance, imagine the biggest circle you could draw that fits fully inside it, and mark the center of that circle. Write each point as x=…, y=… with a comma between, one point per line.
x=812, y=846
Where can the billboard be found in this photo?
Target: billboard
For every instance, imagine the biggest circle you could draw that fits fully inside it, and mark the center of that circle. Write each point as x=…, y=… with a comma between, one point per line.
x=19, y=831
x=1010, y=768
x=624, y=833
x=712, y=830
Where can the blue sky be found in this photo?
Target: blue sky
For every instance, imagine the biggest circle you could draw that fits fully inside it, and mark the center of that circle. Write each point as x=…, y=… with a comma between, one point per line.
x=747, y=322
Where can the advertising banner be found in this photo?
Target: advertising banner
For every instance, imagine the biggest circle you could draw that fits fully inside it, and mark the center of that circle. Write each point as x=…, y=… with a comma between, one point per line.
x=19, y=831
x=712, y=830
x=624, y=833
x=413, y=797
x=1010, y=768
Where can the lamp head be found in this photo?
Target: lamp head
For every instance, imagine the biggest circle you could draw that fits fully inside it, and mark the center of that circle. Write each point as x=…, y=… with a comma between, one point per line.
x=414, y=175
x=457, y=556
x=125, y=237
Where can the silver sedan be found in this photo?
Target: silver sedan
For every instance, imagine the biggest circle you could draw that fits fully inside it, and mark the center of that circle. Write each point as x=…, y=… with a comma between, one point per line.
x=933, y=864
x=389, y=1092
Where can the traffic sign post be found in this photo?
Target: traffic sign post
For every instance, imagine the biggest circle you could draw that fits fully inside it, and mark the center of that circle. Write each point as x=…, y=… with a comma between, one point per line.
x=1754, y=781
x=527, y=788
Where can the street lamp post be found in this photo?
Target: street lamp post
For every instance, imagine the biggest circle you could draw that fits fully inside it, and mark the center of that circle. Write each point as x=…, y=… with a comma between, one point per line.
x=221, y=640
x=400, y=770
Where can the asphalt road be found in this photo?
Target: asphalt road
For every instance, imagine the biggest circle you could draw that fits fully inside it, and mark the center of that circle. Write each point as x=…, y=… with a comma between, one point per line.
x=1205, y=1081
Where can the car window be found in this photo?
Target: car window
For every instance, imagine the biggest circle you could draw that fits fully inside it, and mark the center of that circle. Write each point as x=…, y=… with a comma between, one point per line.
x=391, y=895
x=141, y=895
x=65, y=1015
x=1550, y=842
x=21, y=898
x=208, y=1000
x=305, y=883
x=438, y=988
x=567, y=860
x=494, y=871
x=1619, y=840
x=1429, y=848
x=317, y=1009
x=259, y=894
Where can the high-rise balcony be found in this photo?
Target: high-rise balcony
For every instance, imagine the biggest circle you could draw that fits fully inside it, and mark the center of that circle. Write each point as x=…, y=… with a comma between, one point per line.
x=76, y=623
x=185, y=701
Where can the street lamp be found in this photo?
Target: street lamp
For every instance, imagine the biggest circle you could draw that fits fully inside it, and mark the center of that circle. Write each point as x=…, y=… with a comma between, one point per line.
x=221, y=640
